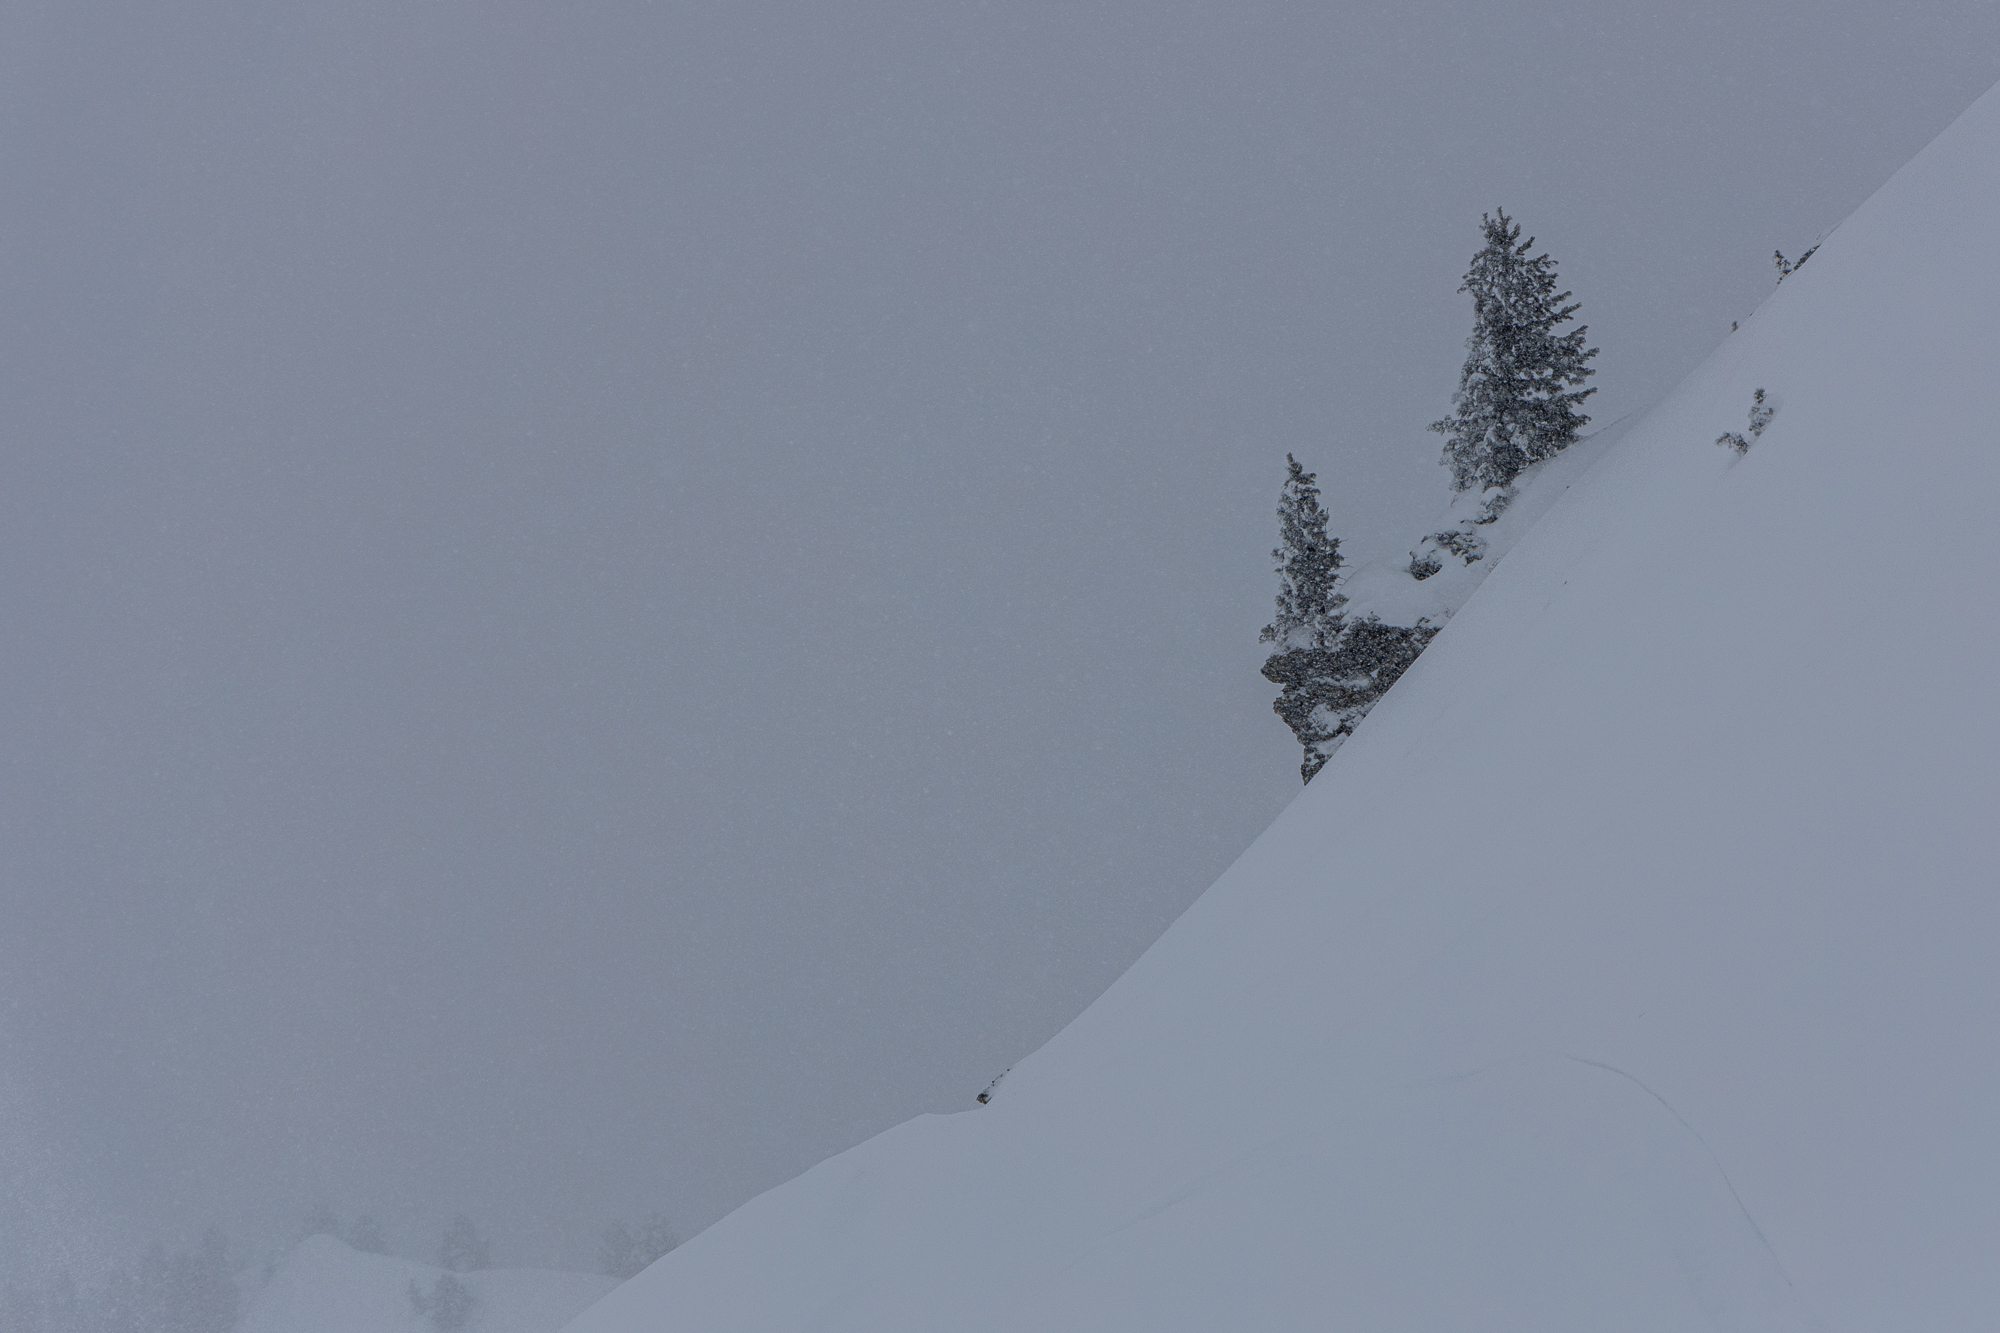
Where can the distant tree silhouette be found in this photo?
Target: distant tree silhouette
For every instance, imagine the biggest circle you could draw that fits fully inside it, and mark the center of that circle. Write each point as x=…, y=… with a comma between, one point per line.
x=177, y=1293
x=625, y=1253
x=448, y=1304
x=366, y=1235
x=1787, y=267
x=462, y=1250
x=321, y=1220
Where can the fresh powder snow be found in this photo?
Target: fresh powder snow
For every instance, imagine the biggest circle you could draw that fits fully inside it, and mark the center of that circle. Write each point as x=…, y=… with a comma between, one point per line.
x=1633, y=966
x=325, y=1287
x=1388, y=589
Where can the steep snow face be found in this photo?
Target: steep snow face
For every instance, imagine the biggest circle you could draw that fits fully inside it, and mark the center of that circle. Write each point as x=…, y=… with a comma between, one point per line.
x=1476, y=542
x=1632, y=966
x=325, y=1287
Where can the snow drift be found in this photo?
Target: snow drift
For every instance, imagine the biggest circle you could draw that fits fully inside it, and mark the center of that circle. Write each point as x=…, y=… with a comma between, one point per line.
x=325, y=1287
x=1632, y=966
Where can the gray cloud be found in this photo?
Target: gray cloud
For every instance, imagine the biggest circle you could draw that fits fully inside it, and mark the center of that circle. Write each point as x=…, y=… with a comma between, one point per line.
x=601, y=602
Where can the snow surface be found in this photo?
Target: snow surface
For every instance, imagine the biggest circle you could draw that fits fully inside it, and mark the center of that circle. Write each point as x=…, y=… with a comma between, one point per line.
x=1633, y=965
x=326, y=1287
x=1387, y=590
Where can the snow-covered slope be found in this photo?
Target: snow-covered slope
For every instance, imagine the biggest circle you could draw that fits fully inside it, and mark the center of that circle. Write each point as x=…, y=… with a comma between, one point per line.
x=1388, y=590
x=1632, y=967
x=325, y=1287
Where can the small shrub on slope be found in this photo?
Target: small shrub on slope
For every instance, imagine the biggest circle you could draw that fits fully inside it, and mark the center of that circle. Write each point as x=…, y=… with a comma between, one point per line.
x=1760, y=417
x=1325, y=692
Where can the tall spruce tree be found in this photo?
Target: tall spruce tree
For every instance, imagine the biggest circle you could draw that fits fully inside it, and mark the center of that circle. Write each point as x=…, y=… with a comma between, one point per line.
x=1308, y=622
x=1519, y=392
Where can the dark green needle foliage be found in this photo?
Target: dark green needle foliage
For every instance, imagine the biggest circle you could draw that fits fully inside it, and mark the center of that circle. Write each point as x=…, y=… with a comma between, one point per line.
x=1521, y=387
x=1308, y=567
x=1787, y=267
x=1325, y=692
x=1330, y=667
x=1760, y=417
x=1308, y=620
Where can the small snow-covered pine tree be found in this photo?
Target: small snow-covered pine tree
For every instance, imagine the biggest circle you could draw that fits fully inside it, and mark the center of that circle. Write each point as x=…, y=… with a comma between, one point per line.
x=1308, y=620
x=1308, y=567
x=1519, y=392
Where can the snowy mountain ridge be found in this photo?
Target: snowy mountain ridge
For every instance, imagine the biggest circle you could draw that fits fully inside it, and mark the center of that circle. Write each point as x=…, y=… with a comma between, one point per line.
x=1630, y=967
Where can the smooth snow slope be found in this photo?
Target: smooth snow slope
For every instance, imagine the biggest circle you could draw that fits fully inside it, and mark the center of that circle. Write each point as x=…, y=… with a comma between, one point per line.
x=1632, y=967
x=325, y=1287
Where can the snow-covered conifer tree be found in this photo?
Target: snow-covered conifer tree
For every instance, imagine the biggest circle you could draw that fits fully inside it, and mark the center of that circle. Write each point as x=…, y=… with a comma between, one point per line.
x=1308, y=566
x=1308, y=620
x=1330, y=666
x=1519, y=392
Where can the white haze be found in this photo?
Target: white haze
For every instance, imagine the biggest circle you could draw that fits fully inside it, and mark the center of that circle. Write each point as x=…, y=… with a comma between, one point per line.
x=601, y=602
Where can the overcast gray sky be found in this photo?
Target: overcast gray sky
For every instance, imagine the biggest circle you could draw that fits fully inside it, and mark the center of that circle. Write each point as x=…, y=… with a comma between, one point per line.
x=601, y=601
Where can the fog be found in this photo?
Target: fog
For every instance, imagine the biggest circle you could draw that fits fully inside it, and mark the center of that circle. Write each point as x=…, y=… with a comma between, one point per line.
x=603, y=601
